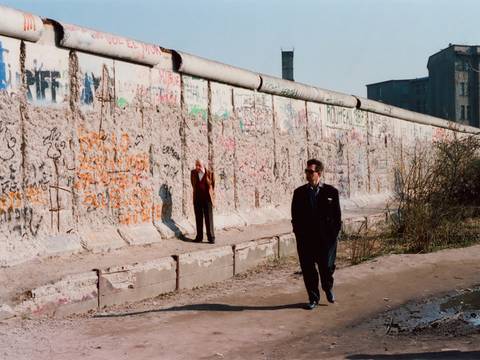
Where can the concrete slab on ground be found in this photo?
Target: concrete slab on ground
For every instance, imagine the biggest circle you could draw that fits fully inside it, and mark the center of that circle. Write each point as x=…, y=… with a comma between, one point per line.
x=228, y=221
x=140, y=235
x=107, y=239
x=62, y=245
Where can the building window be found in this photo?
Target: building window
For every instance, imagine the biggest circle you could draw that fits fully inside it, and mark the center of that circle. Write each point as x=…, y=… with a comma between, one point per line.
x=462, y=112
x=463, y=89
x=462, y=65
x=469, y=115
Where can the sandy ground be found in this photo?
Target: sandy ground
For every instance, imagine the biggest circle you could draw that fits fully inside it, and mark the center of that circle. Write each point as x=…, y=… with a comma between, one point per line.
x=260, y=315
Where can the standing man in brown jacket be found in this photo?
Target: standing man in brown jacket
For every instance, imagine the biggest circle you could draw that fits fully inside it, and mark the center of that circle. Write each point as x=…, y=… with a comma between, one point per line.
x=203, y=183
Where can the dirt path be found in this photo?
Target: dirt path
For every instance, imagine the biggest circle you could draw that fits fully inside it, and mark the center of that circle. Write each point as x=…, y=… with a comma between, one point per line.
x=258, y=316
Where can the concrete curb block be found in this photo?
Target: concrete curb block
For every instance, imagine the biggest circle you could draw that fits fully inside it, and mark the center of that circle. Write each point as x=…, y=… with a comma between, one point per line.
x=73, y=294
x=205, y=267
x=253, y=253
x=121, y=284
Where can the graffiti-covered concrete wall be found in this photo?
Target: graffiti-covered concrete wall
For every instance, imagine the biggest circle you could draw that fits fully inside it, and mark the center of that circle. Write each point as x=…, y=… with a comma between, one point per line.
x=96, y=152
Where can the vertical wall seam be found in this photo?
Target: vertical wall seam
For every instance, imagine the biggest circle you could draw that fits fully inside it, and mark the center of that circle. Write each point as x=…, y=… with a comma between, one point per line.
x=23, y=108
x=235, y=162
x=256, y=191
x=99, y=273
x=307, y=134
x=177, y=271
x=234, y=248
x=183, y=145
x=274, y=125
x=209, y=127
x=348, y=162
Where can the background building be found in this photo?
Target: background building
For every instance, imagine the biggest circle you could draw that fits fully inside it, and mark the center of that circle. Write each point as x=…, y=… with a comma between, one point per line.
x=408, y=94
x=451, y=90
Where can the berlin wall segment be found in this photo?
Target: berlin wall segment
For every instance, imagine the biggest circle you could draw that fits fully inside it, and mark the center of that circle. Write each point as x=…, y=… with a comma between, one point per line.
x=117, y=161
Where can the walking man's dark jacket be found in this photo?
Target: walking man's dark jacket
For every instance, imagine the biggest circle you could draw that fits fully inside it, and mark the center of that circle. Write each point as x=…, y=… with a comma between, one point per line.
x=316, y=219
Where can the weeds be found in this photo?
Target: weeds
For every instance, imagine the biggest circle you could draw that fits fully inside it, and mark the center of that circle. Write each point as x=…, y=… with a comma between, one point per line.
x=436, y=205
x=436, y=194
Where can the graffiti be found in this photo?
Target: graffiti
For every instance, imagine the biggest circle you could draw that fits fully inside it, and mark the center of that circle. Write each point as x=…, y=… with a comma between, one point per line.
x=196, y=97
x=4, y=82
x=90, y=86
x=170, y=171
x=55, y=145
x=42, y=82
x=170, y=151
x=246, y=116
x=8, y=183
x=138, y=140
x=166, y=88
x=13, y=210
x=25, y=216
x=41, y=179
x=107, y=161
x=29, y=23
x=7, y=143
x=197, y=111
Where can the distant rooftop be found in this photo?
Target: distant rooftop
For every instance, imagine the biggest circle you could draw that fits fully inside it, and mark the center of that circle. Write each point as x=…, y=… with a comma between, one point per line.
x=404, y=80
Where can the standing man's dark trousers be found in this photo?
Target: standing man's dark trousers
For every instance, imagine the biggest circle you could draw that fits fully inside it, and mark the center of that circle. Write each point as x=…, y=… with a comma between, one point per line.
x=204, y=209
x=311, y=257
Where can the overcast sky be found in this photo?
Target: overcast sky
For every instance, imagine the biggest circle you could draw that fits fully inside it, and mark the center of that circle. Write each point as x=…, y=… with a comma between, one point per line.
x=339, y=44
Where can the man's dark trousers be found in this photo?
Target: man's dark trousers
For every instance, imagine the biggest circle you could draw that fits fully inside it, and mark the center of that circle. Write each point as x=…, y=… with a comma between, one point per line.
x=203, y=208
x=310, y=258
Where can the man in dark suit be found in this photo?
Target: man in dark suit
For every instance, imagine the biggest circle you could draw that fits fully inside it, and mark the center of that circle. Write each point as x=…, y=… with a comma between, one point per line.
x=203, y=183
x=316, y=220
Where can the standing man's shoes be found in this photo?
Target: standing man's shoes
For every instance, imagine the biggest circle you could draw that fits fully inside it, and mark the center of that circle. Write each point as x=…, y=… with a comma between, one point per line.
x=197, y=239
x=330, y=296
x=211, y=240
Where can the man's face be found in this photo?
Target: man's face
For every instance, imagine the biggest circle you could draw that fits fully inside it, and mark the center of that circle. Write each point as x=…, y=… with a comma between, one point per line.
x=198, y=166
x=313, y=177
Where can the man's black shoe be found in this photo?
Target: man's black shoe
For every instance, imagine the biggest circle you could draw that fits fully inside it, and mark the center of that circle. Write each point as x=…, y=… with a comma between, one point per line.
x=330, y=296
x=311, y=305
x=197, y=239
x=211, y=241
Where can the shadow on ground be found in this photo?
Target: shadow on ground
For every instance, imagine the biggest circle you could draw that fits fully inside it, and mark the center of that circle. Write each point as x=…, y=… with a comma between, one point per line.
x=210, y=307
x=447, y=355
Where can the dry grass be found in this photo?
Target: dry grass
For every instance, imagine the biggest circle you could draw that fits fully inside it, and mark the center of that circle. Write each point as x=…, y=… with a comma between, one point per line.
x=436, y=194
x=437, y=203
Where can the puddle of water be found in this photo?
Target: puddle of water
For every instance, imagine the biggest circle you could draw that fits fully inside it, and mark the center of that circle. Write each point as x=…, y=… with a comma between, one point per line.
x=455, y=313
x=469, y=301
x=467, y=304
